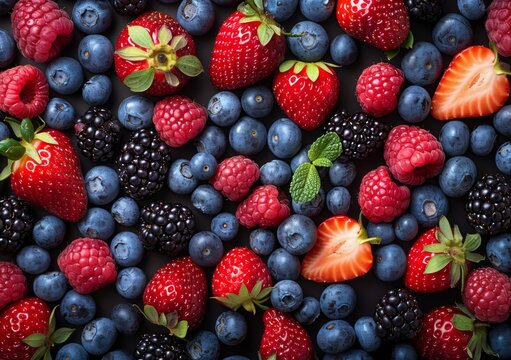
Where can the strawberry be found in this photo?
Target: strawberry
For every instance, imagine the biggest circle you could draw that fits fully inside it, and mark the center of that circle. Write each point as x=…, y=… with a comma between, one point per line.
x=241, y=279
x=473, y=85
x=440, y=258
x=284, y=338
x=342, y=251
x=249, y=46
x=155, y=55
x=381, y=23
x=45, y=170
x=306, y=92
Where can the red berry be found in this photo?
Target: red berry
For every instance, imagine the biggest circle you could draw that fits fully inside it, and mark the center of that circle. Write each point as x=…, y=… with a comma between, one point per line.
x=13, y=284
x=380, y=198
x=267, y=206
x=23, y=91
x=378, y=87
x=413, y=154
x=234, y=177
x=87, y=264
x=498, y=25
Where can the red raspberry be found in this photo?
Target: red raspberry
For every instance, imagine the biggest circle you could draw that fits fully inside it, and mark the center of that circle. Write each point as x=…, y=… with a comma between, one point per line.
x=87, y=264
x=178, y=120
x=267, y=206
x=377, y=89
x=13, y=284
x=413, y=154
x=23, y=91
x=498, y=25
x=234, y=177
x=40, y=29
x=487, y=294
x=380, y=198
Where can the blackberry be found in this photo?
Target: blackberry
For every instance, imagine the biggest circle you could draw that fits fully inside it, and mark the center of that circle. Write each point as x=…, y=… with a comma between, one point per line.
x=16, y=222
x=360, y=133
x=143, y=164
x=489, y=205
x=398, y=316
x=160, y=347
x=166, y=227
x=129, y=7
x=428, y=11
x=97, y=133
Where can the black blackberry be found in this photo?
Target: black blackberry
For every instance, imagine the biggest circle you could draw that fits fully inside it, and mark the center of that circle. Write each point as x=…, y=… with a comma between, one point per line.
x=97, y=133
x=166, y=227
x=398, y=316
x=428, y=11
x=129, y=7
x=489, y=205
x=360, y=133
x=143, y=164
x=161, y=347
x=16, y=222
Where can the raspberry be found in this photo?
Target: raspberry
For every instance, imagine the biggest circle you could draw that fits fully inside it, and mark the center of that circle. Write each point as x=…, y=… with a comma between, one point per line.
x=498, y=25
x=23, y=91
x=377, y=89
x=234, y=177
x=13, y=284
x=178, y=120
x=413, y=154
x=267, y=206
x=380, y=198
x=487, y=294
x=40, y=29
x=87, y=264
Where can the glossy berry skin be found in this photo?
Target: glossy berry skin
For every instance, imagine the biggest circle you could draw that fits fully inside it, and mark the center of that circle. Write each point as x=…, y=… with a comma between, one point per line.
x=92, y=17
x=59, y=114
x=77, y=309
x=117, y=355
x=206, y=249
x=181, y=180
x=247, y=136
x=286, y=296
x=423, y=64
x=97, y=90
x=224, y=108
x=257, y=101
x=428, y=203
x=458, y=176
x=404, y=351
x=49, y=232
x=99, y=336
x=382, y=230
x=338, y=301
x=7, y=49
x=502, y=121
x=312, y=45
x=281, y=10
x=343, y=49
x=275, y=172
x=125, y=211
x=300, y=158
x=50, y=286
x=97, y=224
x=472, y=9
x=283, y=265
x=498, y=339
x=297, y=234
x=64, y=75
x=231, y=328
x=284, y=138
x=72, y=351
x=131, y=282
x=482, y=140
x=212, y=140
x=127, y=249
x=335, y=337
x=197, y=17
x=204, y=345
x=33, y=260
x=203, y=166
x=452, y=33
x=13, y=283
x=225, y=226
x=414, y=104
x=262, y=241
x=308, y=311
x=503, y=158
x=454, y=137
x=207, y=200
x=102, y=185
x=342, y=173
x=135, y=112
x=310, y=208
x=126, y=318
x=317, y=10
x=338, y=200
x=406, y=227
x=5, y=131
x=497, y=26
x=365, y=330
x=96, y=53
x=390, y=263
x=266, y=206
x=498, y=252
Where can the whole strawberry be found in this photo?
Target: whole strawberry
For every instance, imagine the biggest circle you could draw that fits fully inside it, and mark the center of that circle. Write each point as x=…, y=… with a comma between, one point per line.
x=498, y=25
x=13, y=284
x=267, y=206
x=241, y=279
x=249, y=46
x=306, y=92
x=234, y=176
x=155, y=55
x=178, y=120
x=284, y=338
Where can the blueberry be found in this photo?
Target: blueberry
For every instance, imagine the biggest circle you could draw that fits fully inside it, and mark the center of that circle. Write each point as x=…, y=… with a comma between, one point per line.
x=498, y=251
x=131, y=282
x=337, y=301
x=97, y=90
x=458, y=176
x=308, y=311
x=343, y=50
x=384, y=231
x=247, y=136
x=5, y=132
x=390, y=264
x=404, y=351
x=196, y=16
x=283, y=265
x=353, y=354
x=212, y=140
x=423, y=64
x=49, y=232
x=224, y=108
x=97, y=224
x=281, y=10
x=234, y=357
x=275, y=172
x=99, y=336
x=310, y=208
x=72, y=351
x=455, y=138
x=92, y=16
x=342, y=173
x=428, y=203
x=297, y=234
x=96, y=53
x=300, y=158
x=284, y=138
x=472, y=9
x=225, y=226
x=502, y=121
x=127, y=249
x=203, y=345
x=135, y=112
x=126, y=318
x=317, y=10
x=206, y=249
x=452, y=33
x=482, y=140
x=50, y=286
x=102, y=185
x=414, y=104
x=180, y=180
x=59, y=114
x=503, y=158
x=203, y=166
x=77, y=309
x=125, y=211
x=207, y=199
x=64, y=75
x=6, y=6
x=286, y=296
x=335, y=336
x=313, y=43
x=7, y=47
x=262, y=241
x=499, y=339
x=338, y=200
x=406, y=227
x=365, y=330
x=231, y=328
x=117, y=355
x=257, y=101
x=33, y=259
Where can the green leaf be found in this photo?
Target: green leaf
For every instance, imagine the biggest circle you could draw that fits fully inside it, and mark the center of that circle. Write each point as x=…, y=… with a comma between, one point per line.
x=259, y=4
x=286, y=65
x=11, y=149
x=391, y=54
x=47, y=356
x=264, y=33
x=312, y=72
x=248, y=19
x=40, y=353
x=163, y=320
x=256, y=289
x=171, y=79
x=325, y=67
x=7, y=170
x=151, y=313
x=299, y=66
x=27, y=130
x=408, y=43
x=52, y=322
x=474, y=257
x=31, y=151
x=139, y=81
x=437, y=263
x=164, y=35
x=324, y=162
x=455, y=274
x=246, y=9
x=457, y=235
x=327, y=146
x=132, y=53
x=181, y=329
x=244, y=292
x=462, y=322
x=305, y=184
x=140, y=36
x=172, y=319
x=15, y=126
x=189, y=65
x=272, y=357
x=46, y=138
x=265, y=292
x=61, y=335
x=472, y=242
x=435, y=248
x=35, y=340
x=445, y=227
x=178, y=42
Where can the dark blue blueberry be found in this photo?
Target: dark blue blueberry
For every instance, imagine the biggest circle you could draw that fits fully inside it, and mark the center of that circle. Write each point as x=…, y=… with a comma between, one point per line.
x=286, y=295
x=207, y=199
x=498, y=252
x=338, y=200
x=127, y=249
x=206, y=249
x=384, y=231
x=135, y=112
x=64, y=75
x=308, y=311
x=203, y=165
x=423, y=64
x=218, y=2
x=180, y=180
x=275, y=172
x=50, y=286
x=472, y=9
x=98, y=223
x=99, y=336
x=225, y=226
x=499, y=339
x=126, y=318
x=281, y=10
x=343, y=50
x=203, y=345
x=452, y=33
x=7, y=47
x=310, y=208
x=283, y=265
x=353, y=354
x=234, y=357
x=297, y=234
x=257, y=101
x=300, y=158
x=414, y=104
x=342, y=173
x=77, y=309
x=404, y=351
x=97, y=90
x=458, y=176
x=59, y=114
x=335, y=337
x=102, y=185
x=6, y=6
x=196, y=16
x=224, y=108
x=317, y=10
x=247, y=136
x=482, y=140
x=131, y=283
x=125, y=211
x=313, y=43
x=338, y=301
x=390, y=262
x=96, y=53
x=49, y=232
x=92, y=16
x=72, y=351
x=455, y=138
x=365, y=330
x=262, y=241
x=117, y=355
x=428, y=203
x=213, y=141
x=406, y=227
x=33, y=259
x=502, y=121
x=5, y=132
x=231, y=328
x=284, y=138
x=503, y=158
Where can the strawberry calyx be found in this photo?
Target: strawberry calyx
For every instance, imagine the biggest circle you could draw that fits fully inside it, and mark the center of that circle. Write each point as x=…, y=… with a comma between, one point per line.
x=311, y=68
x=499, y=67
x=268, y=27
x=363, y=237
x=44, y=342
x=407, y=45
x=271, y=357
x=170, y=321
x=249, y=300
x=161, y=56
x=452, y=249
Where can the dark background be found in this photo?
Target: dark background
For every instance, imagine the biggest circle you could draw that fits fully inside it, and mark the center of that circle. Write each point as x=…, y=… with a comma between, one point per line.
x=368, y=288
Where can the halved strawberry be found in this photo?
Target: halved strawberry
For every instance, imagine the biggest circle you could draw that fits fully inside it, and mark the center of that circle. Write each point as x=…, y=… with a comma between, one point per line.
x=473, y=85
x=342, y=251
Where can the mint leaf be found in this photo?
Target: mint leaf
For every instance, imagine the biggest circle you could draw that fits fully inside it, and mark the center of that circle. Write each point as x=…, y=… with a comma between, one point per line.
x=327, y=146
x=324, y=162
x=305, y=184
